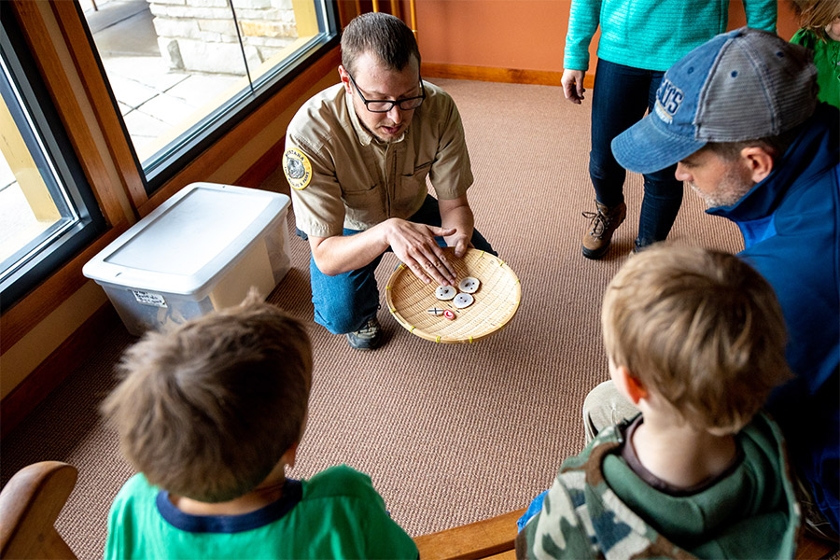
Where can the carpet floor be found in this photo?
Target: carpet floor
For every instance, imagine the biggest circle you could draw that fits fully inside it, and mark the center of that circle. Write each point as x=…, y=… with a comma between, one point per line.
x=450, y=434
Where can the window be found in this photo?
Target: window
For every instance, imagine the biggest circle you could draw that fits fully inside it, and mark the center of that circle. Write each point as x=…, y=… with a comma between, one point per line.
x=182, y=73
x=47, y=210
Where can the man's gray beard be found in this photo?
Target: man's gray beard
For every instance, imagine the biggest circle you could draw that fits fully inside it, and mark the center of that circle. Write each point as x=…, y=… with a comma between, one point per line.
x=709, y=200
x=730, y=191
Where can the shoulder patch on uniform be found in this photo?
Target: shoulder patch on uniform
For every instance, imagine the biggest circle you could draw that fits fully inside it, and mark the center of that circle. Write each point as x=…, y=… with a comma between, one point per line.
x=297, y=168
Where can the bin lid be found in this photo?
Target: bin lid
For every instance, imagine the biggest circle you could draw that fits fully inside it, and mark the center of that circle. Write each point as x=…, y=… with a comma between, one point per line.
x=188, y=240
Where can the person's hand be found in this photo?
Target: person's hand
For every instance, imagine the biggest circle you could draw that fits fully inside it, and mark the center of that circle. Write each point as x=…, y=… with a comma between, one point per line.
x=572, y=82
x=415, y=245
x=460, y=242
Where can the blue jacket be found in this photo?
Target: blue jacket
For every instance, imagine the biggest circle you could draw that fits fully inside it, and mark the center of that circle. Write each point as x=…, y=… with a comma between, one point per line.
x=791, y=227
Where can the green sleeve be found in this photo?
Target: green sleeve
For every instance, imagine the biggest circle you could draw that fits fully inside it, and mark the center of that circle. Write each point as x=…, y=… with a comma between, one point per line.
x=123, y=516
x=805, y=38
x=370, y=521
x=114, y=544
x=388, y=539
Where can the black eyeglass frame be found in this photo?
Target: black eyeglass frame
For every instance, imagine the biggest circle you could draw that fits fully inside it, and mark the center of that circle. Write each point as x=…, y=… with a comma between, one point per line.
x=391, y=104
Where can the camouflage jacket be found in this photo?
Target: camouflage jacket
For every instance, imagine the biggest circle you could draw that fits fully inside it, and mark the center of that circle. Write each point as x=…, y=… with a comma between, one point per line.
x=598, y=507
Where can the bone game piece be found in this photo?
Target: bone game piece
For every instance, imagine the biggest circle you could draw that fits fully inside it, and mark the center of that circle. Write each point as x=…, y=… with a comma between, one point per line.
x=469, y=285
x=463, y=300
x=445, y=293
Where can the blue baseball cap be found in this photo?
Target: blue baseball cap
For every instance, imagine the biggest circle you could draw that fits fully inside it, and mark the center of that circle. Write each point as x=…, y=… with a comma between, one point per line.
x=742, y=85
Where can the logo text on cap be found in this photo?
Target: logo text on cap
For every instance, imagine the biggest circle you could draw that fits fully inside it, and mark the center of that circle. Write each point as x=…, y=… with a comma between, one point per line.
x=668, y=100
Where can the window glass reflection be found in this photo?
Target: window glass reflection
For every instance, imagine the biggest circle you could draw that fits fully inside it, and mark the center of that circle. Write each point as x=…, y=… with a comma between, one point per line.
x=163, y=86
x=176, y=68
x=47, y=212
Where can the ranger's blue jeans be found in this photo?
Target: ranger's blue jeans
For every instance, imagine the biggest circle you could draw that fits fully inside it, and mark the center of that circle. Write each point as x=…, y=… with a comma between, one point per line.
x=343, y=303
x=620, y=98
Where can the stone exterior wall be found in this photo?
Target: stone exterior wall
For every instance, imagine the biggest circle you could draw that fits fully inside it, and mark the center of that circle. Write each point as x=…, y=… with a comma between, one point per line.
x=200, y=35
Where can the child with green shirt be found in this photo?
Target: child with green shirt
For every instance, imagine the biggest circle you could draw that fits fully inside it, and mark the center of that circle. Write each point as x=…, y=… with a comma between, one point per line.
x=820, y=32
x=210, y=415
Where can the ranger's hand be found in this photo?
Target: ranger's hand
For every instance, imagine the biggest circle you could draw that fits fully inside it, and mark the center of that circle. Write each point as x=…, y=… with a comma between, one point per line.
x=415, y=245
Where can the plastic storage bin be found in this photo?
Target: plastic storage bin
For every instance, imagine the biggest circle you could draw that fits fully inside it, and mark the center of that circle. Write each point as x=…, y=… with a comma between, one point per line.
x=203, y=249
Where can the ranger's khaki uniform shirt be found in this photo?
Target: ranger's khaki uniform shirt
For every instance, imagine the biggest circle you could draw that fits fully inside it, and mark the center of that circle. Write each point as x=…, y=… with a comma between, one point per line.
x=344, y=177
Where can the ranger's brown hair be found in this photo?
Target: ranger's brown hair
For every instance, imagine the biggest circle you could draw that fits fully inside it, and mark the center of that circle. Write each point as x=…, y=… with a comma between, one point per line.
x=381, y=35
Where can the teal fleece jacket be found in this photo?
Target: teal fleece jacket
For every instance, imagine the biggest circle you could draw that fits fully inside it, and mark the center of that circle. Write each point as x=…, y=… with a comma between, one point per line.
x=652, y=34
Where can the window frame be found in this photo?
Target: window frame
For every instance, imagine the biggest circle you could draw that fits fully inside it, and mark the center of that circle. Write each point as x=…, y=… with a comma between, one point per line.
x=65, y=61
x=55, y=323
x=62, y=241
x=67, y=64
x=218, y=123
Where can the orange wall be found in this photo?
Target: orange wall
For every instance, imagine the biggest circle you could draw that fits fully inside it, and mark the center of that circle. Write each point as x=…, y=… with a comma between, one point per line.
x=516, y=34
x=520, y=34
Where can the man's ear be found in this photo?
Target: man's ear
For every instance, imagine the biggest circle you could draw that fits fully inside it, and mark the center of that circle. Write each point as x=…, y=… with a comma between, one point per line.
x=345, y=79
x=759, y=162
x=632, y=387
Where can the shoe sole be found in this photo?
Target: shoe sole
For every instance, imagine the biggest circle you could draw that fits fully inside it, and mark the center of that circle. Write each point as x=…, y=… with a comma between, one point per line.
x=367, y=348
x=594, y=255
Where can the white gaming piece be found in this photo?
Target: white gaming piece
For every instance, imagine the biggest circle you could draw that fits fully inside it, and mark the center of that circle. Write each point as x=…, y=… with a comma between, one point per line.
x=463, y=300
x=445, y=293
x=469, y=285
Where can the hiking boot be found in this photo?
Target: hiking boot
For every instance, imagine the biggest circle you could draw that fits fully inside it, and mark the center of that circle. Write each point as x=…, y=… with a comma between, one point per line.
x=604, y=222
x=369, y=337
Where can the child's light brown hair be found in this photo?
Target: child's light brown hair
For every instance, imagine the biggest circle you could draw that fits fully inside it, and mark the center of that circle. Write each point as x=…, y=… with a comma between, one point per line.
x=700, y=328
x=816, y=14
x=208, y=409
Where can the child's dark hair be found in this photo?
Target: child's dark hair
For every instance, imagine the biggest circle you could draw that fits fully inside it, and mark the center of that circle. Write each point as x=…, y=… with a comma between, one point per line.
x=207, y=410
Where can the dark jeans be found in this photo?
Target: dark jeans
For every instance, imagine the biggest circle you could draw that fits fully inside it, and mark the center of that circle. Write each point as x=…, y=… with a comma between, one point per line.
x=343, y=303
x=620, y=98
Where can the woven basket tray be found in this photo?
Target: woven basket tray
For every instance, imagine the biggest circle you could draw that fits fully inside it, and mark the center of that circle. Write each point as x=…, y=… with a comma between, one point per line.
x=496, y=300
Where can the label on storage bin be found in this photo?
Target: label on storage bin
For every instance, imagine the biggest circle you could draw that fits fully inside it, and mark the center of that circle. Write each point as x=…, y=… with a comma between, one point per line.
x=149, y=298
